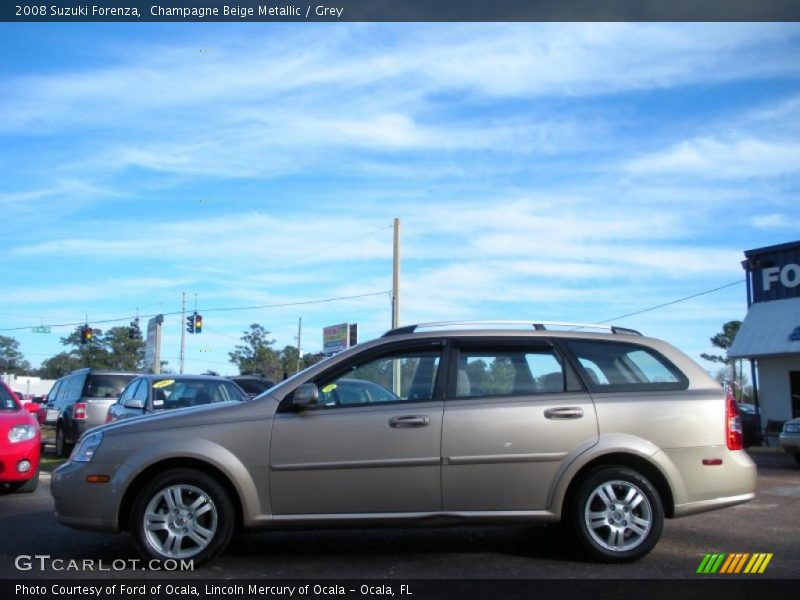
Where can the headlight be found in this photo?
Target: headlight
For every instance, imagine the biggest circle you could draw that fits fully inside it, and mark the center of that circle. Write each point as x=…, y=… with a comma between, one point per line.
x=791, y=428
x=21, y=433
x=85, y=450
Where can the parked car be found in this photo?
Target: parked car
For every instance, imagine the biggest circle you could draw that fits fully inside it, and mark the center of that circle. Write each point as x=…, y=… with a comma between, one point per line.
x=252, y=384
x=150, y=394
x=609, y=432
x=19, y=444
x=751, y=424
x=790, y=438
x=80, y=401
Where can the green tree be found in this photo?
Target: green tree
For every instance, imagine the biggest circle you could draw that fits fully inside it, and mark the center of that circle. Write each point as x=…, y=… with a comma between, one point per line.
x=11, y=358
x=112, y=349
x=256, y=356
x=58, y=366
x=724, y=340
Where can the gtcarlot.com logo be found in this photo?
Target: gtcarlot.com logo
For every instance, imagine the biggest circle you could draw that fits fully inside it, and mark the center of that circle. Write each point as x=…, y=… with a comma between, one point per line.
x=734, y=563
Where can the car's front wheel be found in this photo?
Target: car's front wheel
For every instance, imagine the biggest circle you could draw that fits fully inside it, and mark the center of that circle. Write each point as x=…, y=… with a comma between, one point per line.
x=182, y=514
x=616, y=515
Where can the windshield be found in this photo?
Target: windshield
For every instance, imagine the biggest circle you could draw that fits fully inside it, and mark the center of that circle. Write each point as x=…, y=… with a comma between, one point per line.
x=171, y=393
x=7, y=401
x=253, y=386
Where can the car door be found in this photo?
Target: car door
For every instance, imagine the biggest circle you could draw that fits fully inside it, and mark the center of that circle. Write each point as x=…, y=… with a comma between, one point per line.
x=360, y=452
x=514, y=412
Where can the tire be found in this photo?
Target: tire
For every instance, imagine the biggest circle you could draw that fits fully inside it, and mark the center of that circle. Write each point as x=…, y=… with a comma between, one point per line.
x=26, y=487
x=199, y=530
x=797, y=457
x=605, y=530
x=62, y=447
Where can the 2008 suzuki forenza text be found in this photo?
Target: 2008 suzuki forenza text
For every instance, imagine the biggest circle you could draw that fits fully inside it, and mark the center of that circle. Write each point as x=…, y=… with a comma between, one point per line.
x=608, y=432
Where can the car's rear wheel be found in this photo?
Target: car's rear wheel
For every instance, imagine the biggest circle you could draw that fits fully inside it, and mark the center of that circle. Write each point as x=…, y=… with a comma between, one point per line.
x=182, y=514
x=26, y=487
x=616, y=514
x=62, y=447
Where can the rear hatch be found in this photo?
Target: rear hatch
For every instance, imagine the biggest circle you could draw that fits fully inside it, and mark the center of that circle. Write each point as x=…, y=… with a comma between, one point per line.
x=100, y=391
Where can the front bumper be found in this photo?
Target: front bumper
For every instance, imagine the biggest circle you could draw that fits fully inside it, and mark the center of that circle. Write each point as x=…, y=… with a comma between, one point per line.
x=85, y=505
x=12, y=454
x=790, y=442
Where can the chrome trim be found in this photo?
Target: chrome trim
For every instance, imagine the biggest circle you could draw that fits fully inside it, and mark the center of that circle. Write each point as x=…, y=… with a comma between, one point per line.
x=487, y=459
x=358, y=464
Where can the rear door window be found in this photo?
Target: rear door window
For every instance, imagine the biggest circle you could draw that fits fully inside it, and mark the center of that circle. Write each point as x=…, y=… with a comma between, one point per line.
x=518, y=370
x=618, y=366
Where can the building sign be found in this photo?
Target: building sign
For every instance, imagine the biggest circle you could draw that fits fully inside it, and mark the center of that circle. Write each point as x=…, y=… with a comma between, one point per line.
x=152, y=348
x=335, y=338
x=774, y=272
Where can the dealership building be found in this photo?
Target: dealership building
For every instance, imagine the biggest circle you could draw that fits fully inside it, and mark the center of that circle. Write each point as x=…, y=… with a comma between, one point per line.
x=770, y=333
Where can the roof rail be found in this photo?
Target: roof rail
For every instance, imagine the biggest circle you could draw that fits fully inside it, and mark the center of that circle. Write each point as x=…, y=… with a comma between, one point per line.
x=537, y=325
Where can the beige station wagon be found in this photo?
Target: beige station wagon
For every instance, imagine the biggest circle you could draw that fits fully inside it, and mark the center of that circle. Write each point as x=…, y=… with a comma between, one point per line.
x=441, y=423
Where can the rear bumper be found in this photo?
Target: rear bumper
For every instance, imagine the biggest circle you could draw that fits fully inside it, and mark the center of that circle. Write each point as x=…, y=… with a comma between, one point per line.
x=692, y=508
x=710, y=478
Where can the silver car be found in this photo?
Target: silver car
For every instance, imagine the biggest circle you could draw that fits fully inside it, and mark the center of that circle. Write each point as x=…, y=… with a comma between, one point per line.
x=608, y=432
x=790, y=438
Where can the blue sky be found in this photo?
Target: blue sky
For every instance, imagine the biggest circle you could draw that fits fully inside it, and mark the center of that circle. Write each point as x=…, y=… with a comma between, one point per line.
x=541, y=171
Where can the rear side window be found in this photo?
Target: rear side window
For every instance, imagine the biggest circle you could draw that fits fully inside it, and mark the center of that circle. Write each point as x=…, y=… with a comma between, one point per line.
x=105, y=386
x=513, y=371
x=617, y=366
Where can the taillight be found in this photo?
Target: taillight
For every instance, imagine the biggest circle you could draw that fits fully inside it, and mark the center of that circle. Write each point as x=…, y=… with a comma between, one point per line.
x=80, y=410
x=109, y=418
x=733, y=424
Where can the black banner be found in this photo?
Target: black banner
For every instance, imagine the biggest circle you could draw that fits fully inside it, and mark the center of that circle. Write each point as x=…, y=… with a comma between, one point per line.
x=401, y=10
x=739, y=588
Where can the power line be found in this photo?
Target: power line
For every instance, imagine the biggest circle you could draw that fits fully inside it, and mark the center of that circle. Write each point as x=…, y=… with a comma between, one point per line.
x=638, y=312
x=221, y=309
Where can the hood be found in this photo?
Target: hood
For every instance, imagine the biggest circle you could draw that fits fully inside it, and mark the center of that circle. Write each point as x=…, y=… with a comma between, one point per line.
x=208, y=414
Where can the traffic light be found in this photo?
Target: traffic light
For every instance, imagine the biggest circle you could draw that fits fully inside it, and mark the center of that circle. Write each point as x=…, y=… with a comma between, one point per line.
x=86, y=334
x=190, y=323
x=134, y=333
x=198, y=323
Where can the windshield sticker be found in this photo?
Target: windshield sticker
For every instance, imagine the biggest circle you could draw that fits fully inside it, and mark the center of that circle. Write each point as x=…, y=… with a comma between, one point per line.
x=163, y=383
x=158, y=403
x=329, y=388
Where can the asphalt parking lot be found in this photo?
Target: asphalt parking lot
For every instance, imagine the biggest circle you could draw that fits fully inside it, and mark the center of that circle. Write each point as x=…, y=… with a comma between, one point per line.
x=770, y=523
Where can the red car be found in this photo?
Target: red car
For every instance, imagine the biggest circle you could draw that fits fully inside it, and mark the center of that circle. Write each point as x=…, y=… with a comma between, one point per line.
x=20, y=442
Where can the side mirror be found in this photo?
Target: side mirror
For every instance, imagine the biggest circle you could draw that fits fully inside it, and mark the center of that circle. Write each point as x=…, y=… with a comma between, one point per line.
x=135, y=403
x=306, y=395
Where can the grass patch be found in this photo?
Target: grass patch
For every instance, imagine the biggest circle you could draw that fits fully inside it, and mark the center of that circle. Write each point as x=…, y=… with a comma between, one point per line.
x=48, y=462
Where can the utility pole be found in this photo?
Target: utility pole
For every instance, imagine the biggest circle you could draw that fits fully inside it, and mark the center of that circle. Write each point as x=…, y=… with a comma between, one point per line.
x=396, y=372
x=183, y=330
x=396, y=275
x=299, y=347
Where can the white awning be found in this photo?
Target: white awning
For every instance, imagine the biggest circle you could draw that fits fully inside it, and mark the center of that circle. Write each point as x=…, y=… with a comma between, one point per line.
x=770, y=328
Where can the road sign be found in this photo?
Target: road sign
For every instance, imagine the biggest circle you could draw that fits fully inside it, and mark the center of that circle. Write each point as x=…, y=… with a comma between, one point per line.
x=40, y=329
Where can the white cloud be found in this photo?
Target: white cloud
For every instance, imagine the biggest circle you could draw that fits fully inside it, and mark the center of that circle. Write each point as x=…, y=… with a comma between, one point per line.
x=727, y=158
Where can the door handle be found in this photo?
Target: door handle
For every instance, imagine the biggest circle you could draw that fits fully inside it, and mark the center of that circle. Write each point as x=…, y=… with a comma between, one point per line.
x=564, y=412
x=409, y=421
